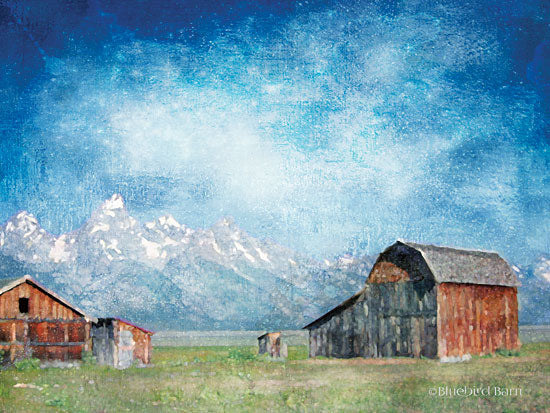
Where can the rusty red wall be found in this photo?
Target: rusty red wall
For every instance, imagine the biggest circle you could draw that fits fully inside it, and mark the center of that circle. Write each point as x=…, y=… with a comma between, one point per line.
x=476, y=319
x=384, y=272
x=51, y=339
x=50, y=329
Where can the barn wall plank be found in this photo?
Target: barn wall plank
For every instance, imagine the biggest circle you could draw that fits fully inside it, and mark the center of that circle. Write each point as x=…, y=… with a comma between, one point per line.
x=41, y=305
x=476, y=319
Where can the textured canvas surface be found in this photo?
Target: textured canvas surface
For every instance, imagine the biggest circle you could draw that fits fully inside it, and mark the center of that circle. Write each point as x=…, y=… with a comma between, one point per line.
x=215, y=170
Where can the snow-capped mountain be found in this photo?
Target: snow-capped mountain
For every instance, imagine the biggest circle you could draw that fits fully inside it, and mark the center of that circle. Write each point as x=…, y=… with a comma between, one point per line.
x=168, y=275
x=22, y=238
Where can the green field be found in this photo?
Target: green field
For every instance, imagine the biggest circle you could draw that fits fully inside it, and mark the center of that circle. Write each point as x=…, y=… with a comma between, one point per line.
x=234, y=379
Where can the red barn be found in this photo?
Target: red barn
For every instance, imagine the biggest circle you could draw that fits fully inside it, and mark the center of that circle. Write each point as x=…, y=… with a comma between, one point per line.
x=36, y=322
x=424, y=300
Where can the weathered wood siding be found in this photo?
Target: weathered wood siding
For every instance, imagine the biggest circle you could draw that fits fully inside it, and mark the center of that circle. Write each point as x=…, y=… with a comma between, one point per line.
x=142, y=342
x=272, y=344
x=386, y=319
x=50, y=330
x=476, y=319
x=103, y=342
x=41, y=305
x=384, y=272
x=262, y=345
x=108, y=346
x=44, y=339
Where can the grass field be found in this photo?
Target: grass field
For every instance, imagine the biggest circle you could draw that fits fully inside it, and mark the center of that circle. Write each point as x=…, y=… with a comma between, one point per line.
x=234, y=379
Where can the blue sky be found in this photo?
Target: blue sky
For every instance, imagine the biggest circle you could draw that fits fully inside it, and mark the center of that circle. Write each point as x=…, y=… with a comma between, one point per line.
x=325, y=126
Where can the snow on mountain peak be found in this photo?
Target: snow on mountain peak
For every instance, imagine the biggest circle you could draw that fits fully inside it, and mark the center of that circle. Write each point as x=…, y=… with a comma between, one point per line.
x=26, y=216
x=59, y=253
x=227, y=221
x=100, y=227
x=152, y=249
x=228, y=229
x=346, y=259
x=114, y=202
x=225, y=224
x=23, y=226
x=169, y=220
x=23, y=220
x=263, y=255
x=110, y=216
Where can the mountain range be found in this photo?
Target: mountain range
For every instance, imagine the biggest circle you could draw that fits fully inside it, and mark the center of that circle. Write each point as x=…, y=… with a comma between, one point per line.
x=166, y=275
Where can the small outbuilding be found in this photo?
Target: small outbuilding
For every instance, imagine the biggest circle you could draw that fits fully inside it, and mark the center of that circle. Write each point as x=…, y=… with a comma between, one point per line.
x=271, y=343
x=120, y=343
x=36, y=322
x=424, y=300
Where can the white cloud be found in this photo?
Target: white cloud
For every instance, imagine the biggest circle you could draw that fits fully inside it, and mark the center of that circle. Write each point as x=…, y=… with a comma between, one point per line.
x=339, y=120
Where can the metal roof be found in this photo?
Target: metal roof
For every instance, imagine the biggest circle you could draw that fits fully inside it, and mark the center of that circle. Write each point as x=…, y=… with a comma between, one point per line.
x=462, y=266
x=7, y=284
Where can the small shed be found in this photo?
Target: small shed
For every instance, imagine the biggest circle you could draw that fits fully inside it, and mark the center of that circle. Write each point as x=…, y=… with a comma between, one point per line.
x=272, y=344
x=118, y=342
x=424, y=300
x=36, y=322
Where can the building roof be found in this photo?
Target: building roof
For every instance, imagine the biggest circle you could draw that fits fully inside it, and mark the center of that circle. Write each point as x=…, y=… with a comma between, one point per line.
x=462, y=266
x=122, y=320
x=453, y=265
x=349, y=302
x=7, y=284
x=268, y=334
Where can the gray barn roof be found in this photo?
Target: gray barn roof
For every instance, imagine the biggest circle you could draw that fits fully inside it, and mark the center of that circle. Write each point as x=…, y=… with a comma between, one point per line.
x=451, y=265
x=455, y=265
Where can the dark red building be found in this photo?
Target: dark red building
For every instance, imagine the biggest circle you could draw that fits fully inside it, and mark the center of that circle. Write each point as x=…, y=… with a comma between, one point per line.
x=36, y=322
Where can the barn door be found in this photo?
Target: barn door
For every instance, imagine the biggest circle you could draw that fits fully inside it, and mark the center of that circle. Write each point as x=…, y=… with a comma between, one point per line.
x=103, y=344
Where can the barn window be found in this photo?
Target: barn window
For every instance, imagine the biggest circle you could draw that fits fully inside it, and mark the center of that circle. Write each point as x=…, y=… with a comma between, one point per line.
x=24, y=305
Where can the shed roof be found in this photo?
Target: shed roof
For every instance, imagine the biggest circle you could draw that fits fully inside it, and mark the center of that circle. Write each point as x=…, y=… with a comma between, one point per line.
x=122, y=320
x=7, y=284
x=349, y=302
x=268, y=333
x=462, y=266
